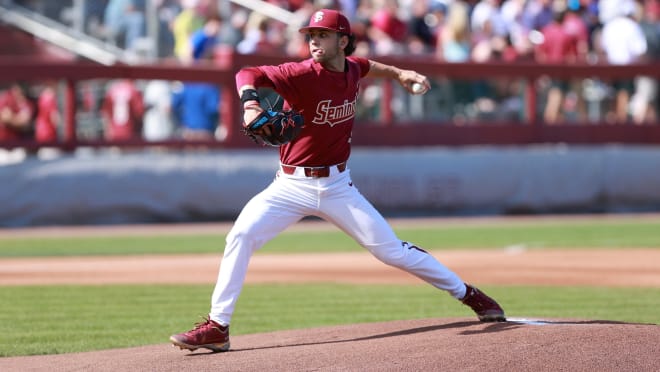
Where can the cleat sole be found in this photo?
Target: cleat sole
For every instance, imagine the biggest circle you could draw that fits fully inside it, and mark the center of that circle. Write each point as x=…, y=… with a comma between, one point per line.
x=492, y=318
x=213, y=347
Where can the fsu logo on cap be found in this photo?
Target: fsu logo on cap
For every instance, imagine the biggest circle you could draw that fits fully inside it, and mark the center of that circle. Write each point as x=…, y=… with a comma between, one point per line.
x=328, y=19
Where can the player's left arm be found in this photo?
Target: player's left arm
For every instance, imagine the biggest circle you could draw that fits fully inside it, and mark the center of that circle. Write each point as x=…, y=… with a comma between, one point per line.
x=247, y=81
x=407, y=78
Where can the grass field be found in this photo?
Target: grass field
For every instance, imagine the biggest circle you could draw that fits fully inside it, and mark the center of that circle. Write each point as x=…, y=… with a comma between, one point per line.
x=611, y=234
x=62, y=319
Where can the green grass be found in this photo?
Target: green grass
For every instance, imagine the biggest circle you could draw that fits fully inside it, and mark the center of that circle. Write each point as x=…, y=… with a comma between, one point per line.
x=62, y=319
x=110, y=245
x=584, y=234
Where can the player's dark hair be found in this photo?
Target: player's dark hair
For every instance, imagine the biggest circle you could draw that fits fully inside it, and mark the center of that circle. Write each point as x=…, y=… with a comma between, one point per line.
x=350, y=47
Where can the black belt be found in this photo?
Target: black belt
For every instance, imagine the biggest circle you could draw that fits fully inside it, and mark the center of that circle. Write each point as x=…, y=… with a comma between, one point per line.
x=314, y=172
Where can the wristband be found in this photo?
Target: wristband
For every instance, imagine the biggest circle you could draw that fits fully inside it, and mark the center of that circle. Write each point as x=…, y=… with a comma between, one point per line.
x=252, y=105
x=249, y=95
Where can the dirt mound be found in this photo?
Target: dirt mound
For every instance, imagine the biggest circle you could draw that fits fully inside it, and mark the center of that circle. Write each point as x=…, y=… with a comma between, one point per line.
x=414, y=345
x=462, y=344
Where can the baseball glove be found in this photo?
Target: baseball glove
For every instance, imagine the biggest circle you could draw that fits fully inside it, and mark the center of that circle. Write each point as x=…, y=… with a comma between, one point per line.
x=274, y=128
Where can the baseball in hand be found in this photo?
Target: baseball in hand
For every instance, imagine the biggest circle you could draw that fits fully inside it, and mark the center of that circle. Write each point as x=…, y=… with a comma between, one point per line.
x=417, y=88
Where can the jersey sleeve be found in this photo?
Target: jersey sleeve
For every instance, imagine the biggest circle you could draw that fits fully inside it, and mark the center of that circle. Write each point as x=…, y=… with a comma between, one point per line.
x=252, y=76
x=363, y=64
x=281, y=78
x=284, y=77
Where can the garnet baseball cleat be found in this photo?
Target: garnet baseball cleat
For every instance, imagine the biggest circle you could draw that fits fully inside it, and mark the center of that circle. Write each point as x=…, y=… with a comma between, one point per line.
x=486, y=308
x=208, y=334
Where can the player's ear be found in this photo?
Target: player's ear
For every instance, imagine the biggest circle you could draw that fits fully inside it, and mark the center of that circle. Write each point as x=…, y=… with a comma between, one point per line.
x=343, y=41
x=349, y=47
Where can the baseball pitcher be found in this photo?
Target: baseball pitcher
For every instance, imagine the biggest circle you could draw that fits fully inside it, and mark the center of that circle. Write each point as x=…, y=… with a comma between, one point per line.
x=313, y=133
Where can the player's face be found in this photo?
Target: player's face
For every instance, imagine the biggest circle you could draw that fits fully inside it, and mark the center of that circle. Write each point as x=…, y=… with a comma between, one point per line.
x=324, y=45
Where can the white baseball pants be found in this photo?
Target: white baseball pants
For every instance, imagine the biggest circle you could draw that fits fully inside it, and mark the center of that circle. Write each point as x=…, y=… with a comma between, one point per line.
x=287, y=200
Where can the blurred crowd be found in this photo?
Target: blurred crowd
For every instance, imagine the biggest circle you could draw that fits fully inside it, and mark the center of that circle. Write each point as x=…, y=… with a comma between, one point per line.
x=449, y=30
x=545, y=31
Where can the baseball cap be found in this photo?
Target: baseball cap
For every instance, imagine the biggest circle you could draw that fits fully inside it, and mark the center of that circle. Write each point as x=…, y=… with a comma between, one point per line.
x=328, y=19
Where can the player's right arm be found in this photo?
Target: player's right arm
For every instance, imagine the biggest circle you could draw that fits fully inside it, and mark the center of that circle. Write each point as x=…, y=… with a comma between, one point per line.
x=405, y=77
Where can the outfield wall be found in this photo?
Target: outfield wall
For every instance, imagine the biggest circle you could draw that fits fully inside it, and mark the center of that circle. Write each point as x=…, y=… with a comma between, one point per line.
x=102, y=187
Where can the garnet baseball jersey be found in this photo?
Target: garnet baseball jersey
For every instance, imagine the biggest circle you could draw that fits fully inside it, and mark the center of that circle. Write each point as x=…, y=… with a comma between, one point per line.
x=123, y=108
x=45, y=127
x=15, y=105
x=327, y=100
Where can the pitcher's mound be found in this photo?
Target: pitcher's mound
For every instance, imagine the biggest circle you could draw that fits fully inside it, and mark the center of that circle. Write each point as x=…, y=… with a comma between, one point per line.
x=413, y=345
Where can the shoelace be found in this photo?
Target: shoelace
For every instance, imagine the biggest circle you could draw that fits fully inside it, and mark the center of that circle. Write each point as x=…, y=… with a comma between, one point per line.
x=205, y=324
x=484, y=301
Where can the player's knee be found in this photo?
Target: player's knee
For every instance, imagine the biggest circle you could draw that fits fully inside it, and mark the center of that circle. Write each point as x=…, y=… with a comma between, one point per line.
x=399, y=254
x=241, y=240
x=391, y=254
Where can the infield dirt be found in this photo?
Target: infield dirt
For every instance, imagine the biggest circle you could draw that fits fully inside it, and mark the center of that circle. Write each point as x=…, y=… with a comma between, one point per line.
x=441, y=344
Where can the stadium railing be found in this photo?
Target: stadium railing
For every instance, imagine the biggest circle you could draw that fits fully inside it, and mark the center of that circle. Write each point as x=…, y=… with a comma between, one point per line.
x=383, y=130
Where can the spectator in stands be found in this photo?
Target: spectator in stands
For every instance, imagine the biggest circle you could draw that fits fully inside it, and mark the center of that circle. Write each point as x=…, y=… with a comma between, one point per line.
x=555, y=48
x=486, y=13
x=650, y=23
x=297, y=46
x=262, y=36
x=189, y=20
x=454, y=46
x=122, y=111
x=489, y=37
x=537, y=14
x=196, y=105
x=577, y=29
x=93, y=14
x=48, y=114
x=644, y=102
x=624, y=43
x=232, y=30
x=435, y=20
x=255, y=31
x=167, y=10
x=454, y=38
x=421, y=36
x=517, y=33
x=157, y=122
x=124, y=22
x=488, y=42
x=16, y=112
x=347, y=7
x=205, y=39
x=387, y=32
x=589, y=13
